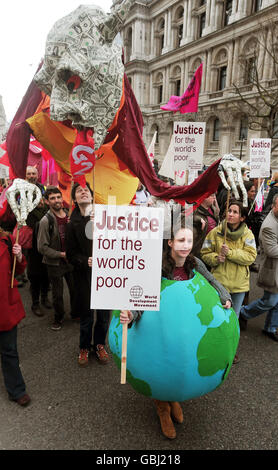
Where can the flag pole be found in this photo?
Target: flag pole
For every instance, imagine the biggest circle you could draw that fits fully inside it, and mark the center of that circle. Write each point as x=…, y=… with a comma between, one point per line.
x=227, y=209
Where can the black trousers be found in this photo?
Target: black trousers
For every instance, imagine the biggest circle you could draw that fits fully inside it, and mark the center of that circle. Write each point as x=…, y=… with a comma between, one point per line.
x=57, y=274
x=37, y=275
x=13, y=379
x=100, y=329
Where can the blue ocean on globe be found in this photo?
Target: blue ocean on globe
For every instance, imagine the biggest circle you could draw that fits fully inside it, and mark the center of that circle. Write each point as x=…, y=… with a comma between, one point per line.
x=185, y=349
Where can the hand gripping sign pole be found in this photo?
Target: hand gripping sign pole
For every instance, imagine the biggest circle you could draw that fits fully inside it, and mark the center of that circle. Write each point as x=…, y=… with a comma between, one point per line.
x=23, y=197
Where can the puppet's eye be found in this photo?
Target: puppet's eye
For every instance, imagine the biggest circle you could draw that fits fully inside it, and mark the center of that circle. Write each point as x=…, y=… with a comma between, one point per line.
x=73, y=83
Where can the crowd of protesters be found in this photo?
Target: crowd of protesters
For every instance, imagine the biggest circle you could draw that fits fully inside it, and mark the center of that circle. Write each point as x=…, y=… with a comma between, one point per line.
x=226, y=239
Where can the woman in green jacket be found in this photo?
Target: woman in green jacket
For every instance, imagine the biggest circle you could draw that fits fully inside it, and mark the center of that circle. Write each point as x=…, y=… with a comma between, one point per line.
x=230, y=260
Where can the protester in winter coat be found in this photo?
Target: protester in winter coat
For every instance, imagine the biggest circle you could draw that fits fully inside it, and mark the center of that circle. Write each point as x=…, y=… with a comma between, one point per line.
x=12, y=312
x=79, y=254
x=267, y=277
x=230, y=260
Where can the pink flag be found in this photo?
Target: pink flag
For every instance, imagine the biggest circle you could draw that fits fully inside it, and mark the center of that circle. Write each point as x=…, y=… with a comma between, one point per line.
x=188, y=102
x=259, y=200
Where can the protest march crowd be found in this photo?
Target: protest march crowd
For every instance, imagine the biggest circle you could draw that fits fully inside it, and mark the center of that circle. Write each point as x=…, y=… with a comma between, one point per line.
x=222, y=245
x=67, y=117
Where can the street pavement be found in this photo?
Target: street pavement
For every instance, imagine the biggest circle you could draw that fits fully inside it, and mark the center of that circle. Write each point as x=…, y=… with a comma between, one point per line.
x=77, y=408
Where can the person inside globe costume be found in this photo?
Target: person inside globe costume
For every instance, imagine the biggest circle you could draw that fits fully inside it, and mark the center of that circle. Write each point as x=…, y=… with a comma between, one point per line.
x=178, y=264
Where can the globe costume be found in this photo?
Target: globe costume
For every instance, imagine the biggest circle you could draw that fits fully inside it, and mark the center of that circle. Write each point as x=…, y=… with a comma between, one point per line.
x=187, y=348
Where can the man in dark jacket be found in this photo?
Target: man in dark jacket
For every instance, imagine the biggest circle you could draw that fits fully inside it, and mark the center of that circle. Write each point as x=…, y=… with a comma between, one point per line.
x=51, y=244
x=79, y=254
x=36, y=270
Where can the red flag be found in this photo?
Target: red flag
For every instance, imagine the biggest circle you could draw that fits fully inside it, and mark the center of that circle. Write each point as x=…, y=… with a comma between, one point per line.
x=82, y=157
x=129, y=129
x=188, y=102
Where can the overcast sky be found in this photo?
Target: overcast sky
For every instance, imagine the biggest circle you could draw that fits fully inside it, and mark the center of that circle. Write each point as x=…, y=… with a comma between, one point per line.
x=24, y=26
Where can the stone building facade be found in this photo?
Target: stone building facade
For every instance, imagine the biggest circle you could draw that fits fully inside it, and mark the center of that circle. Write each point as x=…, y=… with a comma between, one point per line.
x=164, y=43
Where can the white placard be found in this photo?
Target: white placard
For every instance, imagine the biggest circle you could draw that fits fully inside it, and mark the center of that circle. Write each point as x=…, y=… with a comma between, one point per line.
x=188, y=145
x=260, y=151
x=4, y=171
x=127, y=254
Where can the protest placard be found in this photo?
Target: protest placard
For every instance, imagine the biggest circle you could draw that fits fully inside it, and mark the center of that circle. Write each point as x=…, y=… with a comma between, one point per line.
x=260, y=151
x=127, y=253
x=188, y=145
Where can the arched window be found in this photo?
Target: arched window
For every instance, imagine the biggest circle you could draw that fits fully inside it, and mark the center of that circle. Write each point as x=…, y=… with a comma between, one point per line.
x=202, y=23
x=179, y=25
x=161, y=32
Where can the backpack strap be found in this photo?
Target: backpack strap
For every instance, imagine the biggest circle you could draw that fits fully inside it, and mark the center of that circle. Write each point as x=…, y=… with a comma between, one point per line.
x=50, y=224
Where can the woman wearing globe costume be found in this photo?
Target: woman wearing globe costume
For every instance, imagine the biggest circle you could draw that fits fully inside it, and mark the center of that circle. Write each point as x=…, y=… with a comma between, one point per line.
x=179, y=265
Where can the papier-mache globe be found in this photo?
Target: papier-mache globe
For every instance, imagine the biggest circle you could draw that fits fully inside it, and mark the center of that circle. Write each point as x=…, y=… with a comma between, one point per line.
x=185, y=349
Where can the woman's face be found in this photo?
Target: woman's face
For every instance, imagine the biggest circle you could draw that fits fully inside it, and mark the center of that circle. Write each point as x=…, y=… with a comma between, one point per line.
x=234, y=216
x=251, y=193
x=182, y=244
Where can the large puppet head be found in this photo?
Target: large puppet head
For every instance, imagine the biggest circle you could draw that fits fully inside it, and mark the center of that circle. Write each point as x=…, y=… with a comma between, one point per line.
x=83, y=70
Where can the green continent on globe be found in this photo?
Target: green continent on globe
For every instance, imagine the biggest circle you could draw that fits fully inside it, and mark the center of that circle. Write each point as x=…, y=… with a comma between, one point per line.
x=139, y=385
x=221, y=355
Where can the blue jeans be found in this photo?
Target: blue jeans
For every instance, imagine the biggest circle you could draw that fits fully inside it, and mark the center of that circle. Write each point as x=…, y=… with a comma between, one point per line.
x=268, y=303
x=237, y=299
x=10, y=364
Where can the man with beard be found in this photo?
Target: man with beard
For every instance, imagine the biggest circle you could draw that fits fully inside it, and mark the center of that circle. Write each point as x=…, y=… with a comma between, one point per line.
x=32, y=177
x=51, y=244
x=79, y=253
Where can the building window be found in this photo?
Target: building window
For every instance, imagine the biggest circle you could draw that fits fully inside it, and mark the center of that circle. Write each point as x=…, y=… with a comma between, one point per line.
x=160, y=93
x=180, y=34
x=129, y=45
x=161, y=27
x=250, y=70
x=202, y=24
x=243, y=130
x=178, y=87
x=216, y=126
x=256, y=5
x=228, y=6
x=222, y=78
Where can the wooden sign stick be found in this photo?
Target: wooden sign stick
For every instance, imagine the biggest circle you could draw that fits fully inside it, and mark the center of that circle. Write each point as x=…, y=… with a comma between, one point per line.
x=124, y=354
x=14, y=263
x=226, y=216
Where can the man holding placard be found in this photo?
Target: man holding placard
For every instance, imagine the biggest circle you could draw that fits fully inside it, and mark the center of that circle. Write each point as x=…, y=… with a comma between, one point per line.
x=79, y=253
